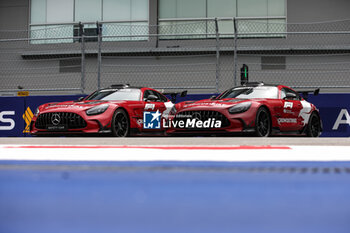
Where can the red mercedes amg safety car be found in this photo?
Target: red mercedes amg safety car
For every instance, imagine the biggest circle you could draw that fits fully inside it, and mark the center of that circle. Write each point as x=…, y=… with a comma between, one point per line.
x=252, y=108
x=118, y=110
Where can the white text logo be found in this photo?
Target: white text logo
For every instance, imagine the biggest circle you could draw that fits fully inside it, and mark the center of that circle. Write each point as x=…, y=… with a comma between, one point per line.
x=149, y=106
x=192, y=123
x=7, y=120
x=340, y=120
x=288, y=105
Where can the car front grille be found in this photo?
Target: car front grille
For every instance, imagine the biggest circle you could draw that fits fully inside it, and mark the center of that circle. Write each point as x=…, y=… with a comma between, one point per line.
x=71, y=120
x=203, y=116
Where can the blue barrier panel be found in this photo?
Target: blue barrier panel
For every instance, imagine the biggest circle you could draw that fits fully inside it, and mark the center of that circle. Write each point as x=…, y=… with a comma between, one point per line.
x=11, y=116
x=194, y=97
x=334, y=110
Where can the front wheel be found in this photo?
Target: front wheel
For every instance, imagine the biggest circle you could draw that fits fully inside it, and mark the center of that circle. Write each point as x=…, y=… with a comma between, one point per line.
x=120, y=124
x=314, y=126
x=262, y=123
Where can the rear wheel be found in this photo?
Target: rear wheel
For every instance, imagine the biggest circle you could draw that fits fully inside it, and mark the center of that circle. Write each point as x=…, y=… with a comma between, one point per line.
x=120, y=124
x=262, y=123
x=314, y=126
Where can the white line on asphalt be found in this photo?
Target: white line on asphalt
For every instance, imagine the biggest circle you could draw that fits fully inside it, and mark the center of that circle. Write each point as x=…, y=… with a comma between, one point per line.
x=174, y=153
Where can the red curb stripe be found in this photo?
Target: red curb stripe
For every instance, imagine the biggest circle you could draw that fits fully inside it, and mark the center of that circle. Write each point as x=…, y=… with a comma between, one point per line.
x=159, y=147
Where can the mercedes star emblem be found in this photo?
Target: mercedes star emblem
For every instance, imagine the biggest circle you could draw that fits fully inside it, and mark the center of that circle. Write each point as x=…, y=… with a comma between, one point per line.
x=55, y=119
x=197, y=115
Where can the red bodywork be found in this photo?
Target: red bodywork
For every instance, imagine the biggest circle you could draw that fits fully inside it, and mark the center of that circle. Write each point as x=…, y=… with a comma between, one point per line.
x=75, y=112
x=287, y=116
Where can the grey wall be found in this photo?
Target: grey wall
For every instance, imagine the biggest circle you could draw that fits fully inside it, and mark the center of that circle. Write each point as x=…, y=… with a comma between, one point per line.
x=301, y=11
x=14, y=14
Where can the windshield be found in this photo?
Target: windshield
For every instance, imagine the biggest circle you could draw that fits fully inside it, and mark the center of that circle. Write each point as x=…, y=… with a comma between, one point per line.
x=251, y=93
x=121, y=94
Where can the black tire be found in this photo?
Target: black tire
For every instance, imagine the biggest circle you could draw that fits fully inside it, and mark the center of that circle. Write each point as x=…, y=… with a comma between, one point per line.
x=120, y=124
x=262, y=123
x=313, y=128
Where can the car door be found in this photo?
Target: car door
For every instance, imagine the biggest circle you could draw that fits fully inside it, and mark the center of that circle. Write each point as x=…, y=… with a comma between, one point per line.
x=291, y=107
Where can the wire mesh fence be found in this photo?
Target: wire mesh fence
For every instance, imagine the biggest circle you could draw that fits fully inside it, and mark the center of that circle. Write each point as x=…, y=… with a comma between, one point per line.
x=204, y=55
x=298, y=55
x=34, y=71
x=170, y=61
x=37, y=64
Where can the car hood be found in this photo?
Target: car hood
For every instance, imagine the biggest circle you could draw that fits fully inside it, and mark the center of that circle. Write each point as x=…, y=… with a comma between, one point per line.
x=82, y=105
x=208, y=103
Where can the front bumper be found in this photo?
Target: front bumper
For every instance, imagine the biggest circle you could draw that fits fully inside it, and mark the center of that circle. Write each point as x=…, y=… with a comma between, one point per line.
x=92, y=124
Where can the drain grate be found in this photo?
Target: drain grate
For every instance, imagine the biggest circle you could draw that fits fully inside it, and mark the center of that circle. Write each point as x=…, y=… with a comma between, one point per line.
x=177, y=168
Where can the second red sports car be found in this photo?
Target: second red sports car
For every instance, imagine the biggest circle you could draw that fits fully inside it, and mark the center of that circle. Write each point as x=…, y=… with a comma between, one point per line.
x=252, y=108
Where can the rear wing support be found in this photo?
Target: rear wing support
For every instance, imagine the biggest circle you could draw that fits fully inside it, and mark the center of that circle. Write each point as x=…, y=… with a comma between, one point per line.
x=305, y=93
x=174, y=95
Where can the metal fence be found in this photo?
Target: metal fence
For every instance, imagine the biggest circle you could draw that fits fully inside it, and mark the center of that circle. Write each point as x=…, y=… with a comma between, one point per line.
x=204, y=55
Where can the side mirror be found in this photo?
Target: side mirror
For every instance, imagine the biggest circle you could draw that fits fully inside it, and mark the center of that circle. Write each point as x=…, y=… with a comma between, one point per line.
x=213, y=97
x=290, y=95
x=80, y=99
x=152, y=98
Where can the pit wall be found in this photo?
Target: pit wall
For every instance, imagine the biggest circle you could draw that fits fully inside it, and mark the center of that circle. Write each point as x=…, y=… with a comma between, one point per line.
x=16, y=112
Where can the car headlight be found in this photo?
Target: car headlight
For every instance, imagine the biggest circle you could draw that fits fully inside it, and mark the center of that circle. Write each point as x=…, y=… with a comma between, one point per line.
x=241, y=107
x=97, y=110
x=37, y=112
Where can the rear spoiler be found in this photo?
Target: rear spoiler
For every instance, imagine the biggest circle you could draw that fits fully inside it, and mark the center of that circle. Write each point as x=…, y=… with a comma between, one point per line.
x=173, y=95
x=305, y=93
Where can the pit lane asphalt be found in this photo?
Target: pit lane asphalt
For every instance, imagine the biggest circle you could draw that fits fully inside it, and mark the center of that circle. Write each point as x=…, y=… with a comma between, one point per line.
x=198, y=141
